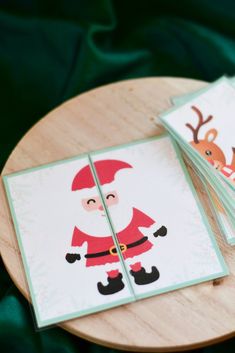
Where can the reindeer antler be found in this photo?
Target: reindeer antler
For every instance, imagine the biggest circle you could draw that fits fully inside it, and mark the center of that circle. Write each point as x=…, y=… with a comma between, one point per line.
x=199, y=125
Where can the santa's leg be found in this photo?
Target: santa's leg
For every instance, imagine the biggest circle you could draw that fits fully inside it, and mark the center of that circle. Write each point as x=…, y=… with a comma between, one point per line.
x=115, y=283
x=141, y=276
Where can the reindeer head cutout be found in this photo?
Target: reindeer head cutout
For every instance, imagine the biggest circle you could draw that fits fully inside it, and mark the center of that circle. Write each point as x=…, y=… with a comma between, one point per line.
x=206, y=147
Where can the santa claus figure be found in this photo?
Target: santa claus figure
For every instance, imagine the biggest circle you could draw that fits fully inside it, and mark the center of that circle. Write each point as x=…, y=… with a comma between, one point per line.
x=101, y=250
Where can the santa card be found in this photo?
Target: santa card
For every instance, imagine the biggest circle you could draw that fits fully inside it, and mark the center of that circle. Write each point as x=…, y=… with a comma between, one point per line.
x=109, y=228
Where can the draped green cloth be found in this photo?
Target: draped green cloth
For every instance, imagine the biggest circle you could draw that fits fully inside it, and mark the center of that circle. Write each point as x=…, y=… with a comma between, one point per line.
x=53, y=50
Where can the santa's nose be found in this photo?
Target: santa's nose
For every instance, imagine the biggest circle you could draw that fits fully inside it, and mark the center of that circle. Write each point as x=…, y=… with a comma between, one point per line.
x=101, y=208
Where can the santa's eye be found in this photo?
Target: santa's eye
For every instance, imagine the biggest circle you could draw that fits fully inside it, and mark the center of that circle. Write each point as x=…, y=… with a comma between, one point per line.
x=90, y=201
x=110, y=195
x=208, y=153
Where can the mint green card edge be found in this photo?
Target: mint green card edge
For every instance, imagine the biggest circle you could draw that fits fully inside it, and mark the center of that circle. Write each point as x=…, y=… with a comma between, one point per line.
x=216, y=213
x=225, y=270
x=81, y=156
x=17, y=231
x=111, y=228
x=181, y=285
x=225, y=199
x=178, y=100
x=129, y=144
x=75, y=315
x=188, y=96
x=42, y=323
x=223, y=227
x=162, y=116
x=229, y=214
x=184, y=99
x=204, y=164
x=199, y=161
x=224, y=266
x=195, y=95
x=231, y=242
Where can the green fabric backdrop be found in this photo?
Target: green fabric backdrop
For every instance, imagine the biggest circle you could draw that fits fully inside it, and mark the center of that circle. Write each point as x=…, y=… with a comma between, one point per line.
x=53, y=50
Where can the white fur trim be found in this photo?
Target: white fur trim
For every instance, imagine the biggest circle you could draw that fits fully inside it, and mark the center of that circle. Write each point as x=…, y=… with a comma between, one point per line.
x=73, y=250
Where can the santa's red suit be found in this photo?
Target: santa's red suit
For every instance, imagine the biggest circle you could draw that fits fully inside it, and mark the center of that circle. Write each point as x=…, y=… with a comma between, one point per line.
x=132, y=242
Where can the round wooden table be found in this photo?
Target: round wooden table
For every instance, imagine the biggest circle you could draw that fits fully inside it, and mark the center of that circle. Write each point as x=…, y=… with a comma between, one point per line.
x=112, y=115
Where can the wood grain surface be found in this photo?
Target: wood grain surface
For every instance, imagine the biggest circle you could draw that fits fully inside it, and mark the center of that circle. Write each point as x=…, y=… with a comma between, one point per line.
x=107, y=116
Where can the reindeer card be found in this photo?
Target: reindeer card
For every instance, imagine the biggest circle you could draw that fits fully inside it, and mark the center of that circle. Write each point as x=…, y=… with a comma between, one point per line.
x=109, y=228
x=204, y=127
x=224, y=219
x=207, y=124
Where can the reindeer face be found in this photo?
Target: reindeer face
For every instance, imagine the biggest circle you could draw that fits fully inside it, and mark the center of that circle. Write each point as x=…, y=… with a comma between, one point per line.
x=211, y=152
x=206, y=147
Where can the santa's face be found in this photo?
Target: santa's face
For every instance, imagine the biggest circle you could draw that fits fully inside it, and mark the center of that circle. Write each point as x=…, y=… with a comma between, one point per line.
x=119, y=208
x=95, y=204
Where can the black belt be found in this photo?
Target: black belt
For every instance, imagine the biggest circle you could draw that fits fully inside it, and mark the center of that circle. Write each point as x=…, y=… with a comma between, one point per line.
x=113, y=250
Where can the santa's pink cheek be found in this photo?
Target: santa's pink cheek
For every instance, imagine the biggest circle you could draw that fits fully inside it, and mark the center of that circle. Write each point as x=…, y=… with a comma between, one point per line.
x=91, y=204
x=111, y=201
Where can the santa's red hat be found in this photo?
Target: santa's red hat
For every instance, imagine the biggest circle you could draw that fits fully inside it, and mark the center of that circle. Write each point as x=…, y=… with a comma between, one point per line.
x=105, y=170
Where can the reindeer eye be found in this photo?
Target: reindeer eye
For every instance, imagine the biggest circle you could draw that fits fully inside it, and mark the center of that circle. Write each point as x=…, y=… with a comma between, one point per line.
x=208, y=153
x=90, y=201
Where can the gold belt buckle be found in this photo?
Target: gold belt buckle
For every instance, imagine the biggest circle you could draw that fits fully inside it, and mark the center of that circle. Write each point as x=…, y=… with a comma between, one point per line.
x=113, y=250
x=123, y=247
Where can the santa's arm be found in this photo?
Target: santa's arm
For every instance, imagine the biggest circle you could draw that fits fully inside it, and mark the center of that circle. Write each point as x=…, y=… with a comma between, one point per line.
x=144, y=220
x=73, y=253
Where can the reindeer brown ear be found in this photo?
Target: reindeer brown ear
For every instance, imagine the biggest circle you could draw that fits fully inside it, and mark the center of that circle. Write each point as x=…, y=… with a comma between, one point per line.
x=211, y=135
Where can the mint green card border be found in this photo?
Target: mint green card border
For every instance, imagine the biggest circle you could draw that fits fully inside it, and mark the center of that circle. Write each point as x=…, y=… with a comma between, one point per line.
x=132, y=298
x=60, y=318
x=204, y=172
x=216, y=213
x=220, y=258
x=109, y=220
x=208, y=169
x=230, y=241
x=181, y=100
x=195, y=95
x=188, y=96
x=185, y=99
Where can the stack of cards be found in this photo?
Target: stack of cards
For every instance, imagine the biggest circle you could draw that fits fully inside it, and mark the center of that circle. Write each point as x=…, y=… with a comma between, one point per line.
x=203, y=124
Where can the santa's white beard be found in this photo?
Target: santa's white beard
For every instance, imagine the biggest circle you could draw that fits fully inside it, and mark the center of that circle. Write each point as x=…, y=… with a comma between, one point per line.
x=95, y=223
x=121, y=213
x=121, y=216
